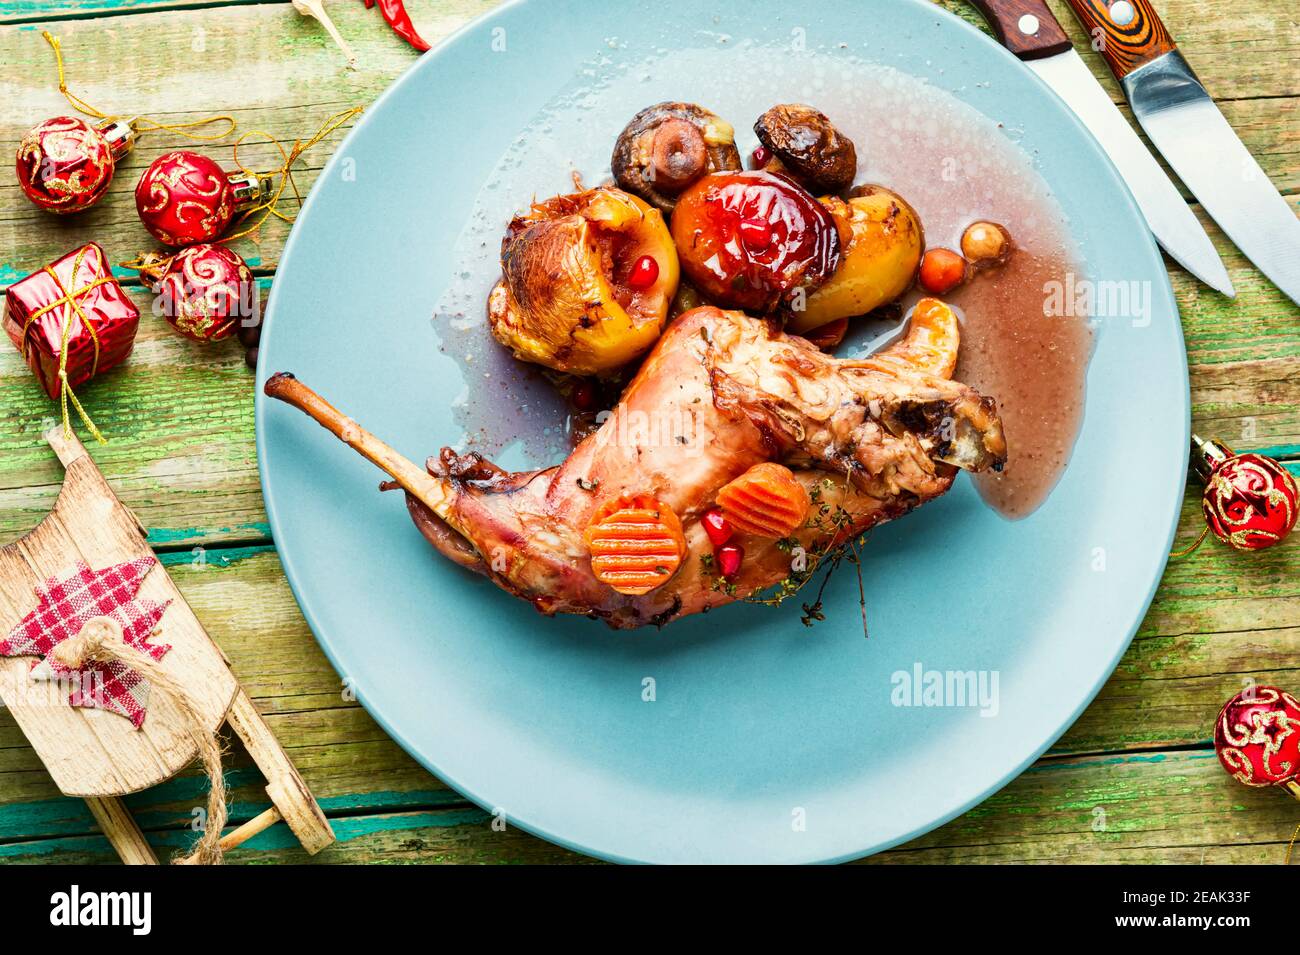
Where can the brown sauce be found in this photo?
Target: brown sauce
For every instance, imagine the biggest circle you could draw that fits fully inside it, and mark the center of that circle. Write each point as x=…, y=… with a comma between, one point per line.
x=1034, y=366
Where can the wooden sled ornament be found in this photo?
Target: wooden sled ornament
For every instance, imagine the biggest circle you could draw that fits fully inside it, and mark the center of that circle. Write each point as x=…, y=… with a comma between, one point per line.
x=96, y=754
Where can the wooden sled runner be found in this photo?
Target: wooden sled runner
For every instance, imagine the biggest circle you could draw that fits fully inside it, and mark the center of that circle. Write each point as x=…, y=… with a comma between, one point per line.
x=99, y=755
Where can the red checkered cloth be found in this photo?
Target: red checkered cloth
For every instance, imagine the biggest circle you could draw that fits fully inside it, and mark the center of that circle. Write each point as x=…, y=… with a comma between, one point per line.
x=66, y=603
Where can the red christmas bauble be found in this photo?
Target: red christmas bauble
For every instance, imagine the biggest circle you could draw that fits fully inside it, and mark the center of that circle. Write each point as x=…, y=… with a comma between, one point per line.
x=184, y=197
x=206, y=292
x=1257, y=736
x=64, y=165
x=1250, y=501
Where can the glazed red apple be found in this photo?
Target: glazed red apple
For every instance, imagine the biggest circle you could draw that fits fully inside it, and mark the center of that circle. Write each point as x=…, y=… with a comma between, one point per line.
x=749, y=240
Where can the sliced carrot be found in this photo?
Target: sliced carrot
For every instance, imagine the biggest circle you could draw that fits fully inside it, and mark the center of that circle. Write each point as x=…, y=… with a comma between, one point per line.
x=765, y=501
x=636, y=543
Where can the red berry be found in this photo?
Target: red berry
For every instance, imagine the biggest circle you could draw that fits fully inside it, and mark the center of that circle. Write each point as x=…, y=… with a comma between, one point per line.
x=716, y=526
x=759, y=157
x=583, y=395
x=756, y=234
x=730, y=557
x=644, y=273
x=942, y=270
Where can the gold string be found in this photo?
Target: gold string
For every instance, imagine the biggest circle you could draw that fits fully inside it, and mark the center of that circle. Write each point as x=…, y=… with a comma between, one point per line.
x=269, y=206
x=140, y=123
x=1291, y=845
x=70, y=298
x=1195, y=544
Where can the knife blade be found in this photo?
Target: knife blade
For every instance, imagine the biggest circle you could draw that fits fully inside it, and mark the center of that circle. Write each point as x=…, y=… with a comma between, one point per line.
x=1030, y=31
x=1181, y=120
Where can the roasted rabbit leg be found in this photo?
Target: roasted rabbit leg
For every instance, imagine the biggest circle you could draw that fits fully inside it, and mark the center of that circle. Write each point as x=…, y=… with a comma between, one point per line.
x=721, y=392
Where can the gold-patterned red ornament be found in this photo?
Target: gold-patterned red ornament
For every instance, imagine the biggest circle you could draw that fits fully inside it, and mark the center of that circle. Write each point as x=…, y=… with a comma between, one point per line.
x=185, y=197
x=65, y=165
x=1257, y=738
x=206, y=292
x=1250, y=501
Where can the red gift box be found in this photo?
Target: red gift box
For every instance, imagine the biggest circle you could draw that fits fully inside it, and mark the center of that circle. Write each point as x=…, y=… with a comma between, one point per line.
x=77, y=296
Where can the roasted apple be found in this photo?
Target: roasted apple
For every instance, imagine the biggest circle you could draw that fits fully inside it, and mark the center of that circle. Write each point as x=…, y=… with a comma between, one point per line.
x=668, y=146
x=882, y=248
x=754, y=240
x=586, y=282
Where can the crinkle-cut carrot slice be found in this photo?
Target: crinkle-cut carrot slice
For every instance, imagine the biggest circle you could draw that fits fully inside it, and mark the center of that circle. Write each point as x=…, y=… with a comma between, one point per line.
x=636, y=543
x=765, y=501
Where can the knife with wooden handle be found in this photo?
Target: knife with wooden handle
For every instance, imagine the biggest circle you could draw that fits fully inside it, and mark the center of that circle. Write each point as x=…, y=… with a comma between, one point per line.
x=1029, y=30
x=1182, y=122
x=1131, y=36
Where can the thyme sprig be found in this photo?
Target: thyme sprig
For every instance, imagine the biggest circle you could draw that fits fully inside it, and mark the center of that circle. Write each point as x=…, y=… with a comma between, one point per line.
x=828, y=521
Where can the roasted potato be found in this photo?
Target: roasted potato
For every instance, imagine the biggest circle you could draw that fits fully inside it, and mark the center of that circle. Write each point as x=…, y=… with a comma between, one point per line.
x=576, y=292
x=882, y=242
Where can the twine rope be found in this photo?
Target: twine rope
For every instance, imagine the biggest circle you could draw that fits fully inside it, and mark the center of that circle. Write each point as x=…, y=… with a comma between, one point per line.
x=100, y=640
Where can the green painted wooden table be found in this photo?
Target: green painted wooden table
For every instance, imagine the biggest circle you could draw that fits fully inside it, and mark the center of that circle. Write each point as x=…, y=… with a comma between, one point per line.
x=1134, y=780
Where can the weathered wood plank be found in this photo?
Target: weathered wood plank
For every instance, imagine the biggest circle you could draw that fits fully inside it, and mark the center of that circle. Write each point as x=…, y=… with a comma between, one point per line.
x=273, y=69
x=34, y=11
x=179, y=417
x=1160, y=807
x=1165, y=693
x=1252, y=53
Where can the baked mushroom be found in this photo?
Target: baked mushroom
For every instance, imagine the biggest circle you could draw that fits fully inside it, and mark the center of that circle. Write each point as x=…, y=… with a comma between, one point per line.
x=586, y=282
x=668, y=146
x=808, y=148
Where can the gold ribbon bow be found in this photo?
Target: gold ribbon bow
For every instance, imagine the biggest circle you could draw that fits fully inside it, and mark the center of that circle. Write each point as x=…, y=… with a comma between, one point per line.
x=70, y=299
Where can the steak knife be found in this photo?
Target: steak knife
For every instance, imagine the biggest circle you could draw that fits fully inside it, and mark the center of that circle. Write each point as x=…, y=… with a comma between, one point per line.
x=1029, y=30
x=1182, y=121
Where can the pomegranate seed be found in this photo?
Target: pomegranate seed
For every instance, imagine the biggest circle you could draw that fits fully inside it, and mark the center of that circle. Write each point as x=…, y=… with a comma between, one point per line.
x=759, y=157
x=644, y=272
x=583, y=395
x=756, y=234
x=716, y=526
x=942, y=270
x=730, y=557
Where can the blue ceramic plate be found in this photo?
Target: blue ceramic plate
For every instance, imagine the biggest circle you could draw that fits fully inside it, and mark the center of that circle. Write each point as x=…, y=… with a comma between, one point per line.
x=764, y=741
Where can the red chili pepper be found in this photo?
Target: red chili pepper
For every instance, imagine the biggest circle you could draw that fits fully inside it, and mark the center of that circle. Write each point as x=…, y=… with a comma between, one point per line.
x=395, y=16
